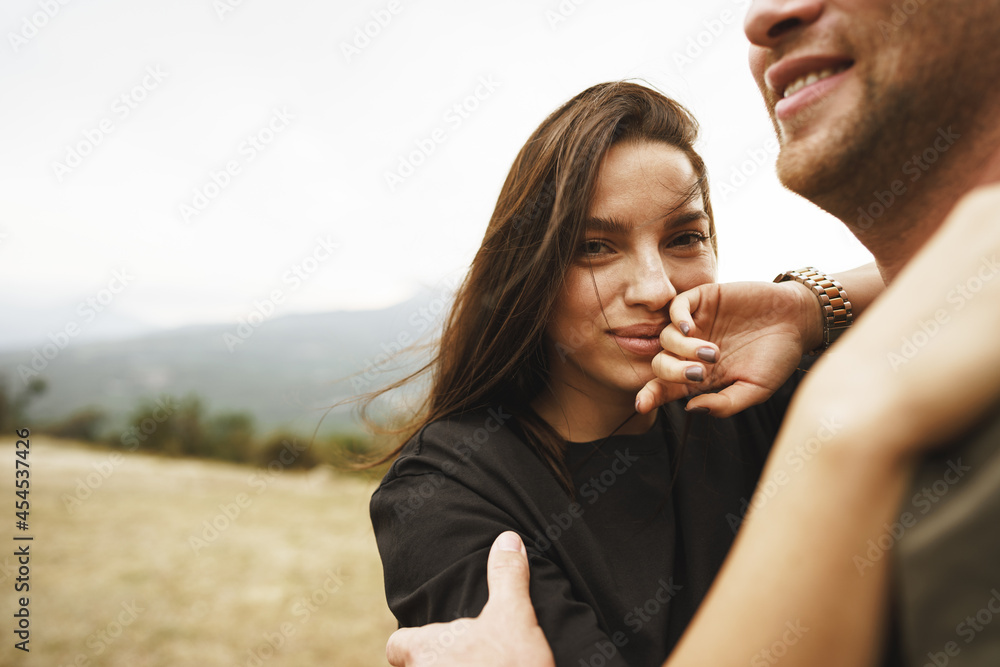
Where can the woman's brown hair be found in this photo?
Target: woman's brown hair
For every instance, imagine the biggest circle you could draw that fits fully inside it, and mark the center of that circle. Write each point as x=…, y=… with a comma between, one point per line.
x=491, y=349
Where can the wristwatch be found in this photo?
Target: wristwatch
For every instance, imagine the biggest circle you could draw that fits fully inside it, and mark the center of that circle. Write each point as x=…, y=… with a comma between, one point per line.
x=837, y=313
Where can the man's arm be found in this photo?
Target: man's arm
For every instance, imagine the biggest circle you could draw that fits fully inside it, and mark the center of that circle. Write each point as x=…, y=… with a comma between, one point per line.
x=839, y=468
x=505, y=633
x=848, y=445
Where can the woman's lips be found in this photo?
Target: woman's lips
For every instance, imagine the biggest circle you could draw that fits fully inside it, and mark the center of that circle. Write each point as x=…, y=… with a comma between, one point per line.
x=643, y=346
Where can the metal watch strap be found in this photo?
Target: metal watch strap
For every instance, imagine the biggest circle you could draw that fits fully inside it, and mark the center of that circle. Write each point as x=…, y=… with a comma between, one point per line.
x=837, y=312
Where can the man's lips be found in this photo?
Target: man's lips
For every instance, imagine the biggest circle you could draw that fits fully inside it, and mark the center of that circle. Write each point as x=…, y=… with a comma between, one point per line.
x=799, y=82
x=789, y=107
x=783, y=73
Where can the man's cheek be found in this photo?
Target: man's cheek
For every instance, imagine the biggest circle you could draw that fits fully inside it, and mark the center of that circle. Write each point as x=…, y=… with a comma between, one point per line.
x=758, y=65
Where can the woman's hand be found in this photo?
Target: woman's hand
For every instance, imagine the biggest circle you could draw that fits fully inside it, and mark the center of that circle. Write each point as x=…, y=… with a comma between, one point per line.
x=741, y=340
x=757, y=332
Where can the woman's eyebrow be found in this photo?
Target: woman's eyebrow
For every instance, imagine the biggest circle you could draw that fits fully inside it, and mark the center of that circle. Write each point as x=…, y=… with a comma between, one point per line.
x=613, y=225
x=686, y=218
x=609, y=225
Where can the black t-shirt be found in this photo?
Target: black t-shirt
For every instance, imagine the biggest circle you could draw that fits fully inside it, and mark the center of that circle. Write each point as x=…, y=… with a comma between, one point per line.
x=616, y=572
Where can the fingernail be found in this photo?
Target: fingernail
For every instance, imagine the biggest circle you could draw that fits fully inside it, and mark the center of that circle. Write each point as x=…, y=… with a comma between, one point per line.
x=638, y=404
x=695, y=373
x=698, y=411
x=707, y=354
x=509, y=542
x=684, y=327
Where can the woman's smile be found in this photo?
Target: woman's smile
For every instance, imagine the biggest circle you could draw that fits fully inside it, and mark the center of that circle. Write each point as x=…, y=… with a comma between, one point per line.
x=641, y=339
x=647, y=238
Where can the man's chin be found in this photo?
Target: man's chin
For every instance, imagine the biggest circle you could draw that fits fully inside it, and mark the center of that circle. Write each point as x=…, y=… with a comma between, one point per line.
x=797, y=174
x=809, y=168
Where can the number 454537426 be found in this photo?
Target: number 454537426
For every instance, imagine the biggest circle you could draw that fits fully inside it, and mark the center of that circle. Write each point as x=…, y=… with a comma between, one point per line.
x=22, y=477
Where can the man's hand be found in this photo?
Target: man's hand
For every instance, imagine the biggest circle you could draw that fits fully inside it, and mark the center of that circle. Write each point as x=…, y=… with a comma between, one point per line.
x=506, y=633
x=745, y=340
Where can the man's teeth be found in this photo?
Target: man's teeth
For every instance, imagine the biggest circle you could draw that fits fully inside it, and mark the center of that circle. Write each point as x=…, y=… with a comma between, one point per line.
x=812, y=78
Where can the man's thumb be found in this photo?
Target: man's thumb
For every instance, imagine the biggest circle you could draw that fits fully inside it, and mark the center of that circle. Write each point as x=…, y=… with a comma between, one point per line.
x=507, y=575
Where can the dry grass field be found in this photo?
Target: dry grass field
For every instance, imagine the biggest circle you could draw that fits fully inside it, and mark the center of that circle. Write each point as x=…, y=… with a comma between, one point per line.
x=135, y=573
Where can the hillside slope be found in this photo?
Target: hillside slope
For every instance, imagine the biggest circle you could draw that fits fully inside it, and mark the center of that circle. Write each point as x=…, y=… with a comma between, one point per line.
x=285, y=372
x=150, y=562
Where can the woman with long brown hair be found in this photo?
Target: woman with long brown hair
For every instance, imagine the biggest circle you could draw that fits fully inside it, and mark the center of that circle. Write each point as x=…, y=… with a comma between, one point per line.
x=531, y=422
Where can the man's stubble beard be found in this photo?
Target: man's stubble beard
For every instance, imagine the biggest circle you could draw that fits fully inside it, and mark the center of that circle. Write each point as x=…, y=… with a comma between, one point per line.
x=937, y=80
x=858, y=155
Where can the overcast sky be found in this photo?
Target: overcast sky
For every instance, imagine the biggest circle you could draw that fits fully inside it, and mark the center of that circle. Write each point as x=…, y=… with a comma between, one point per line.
x=179, y=162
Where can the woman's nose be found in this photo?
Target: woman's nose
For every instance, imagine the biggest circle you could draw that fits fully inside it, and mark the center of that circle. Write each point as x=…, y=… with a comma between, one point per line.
x=649, y=282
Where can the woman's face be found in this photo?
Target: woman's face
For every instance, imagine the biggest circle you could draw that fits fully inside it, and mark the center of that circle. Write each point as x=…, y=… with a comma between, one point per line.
x=646, y=241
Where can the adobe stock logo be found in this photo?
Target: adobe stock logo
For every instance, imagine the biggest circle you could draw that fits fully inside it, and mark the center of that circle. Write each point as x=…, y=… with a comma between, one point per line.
x=901, y=14
x=266, y=306
x=562, y=12
x=121, y=108
x=60, y=339
x=456, y=115
x=250, y=148
x=958, y=298
x=915, y=168
x=223, y=7
x=31, y=25
x=712, y=30
x=363, y=35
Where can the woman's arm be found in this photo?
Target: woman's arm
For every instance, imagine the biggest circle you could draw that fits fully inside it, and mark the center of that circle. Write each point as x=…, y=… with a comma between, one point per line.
x=757, y=332
x=435, y=516
x=841, y=464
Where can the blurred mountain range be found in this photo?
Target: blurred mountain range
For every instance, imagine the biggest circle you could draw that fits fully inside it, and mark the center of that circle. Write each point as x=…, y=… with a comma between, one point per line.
x=284, y=371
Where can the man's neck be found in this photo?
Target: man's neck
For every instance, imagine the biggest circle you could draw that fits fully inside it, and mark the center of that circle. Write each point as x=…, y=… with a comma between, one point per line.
x=901, y=237
x=913, y=217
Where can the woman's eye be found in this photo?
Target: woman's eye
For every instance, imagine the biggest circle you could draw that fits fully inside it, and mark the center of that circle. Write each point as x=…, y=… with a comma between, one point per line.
x=593, y=247
x=688, y=239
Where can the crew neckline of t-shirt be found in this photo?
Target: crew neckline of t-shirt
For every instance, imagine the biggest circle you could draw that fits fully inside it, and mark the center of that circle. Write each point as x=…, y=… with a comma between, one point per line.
x=653, y=440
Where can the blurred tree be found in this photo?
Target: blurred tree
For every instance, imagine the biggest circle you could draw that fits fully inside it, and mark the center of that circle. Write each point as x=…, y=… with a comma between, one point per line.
x=181, y=427
x=166, y=425
x=355, y=453
x=5, y=420
x=287, y=451
x=14, y=407
x=188, y=432
x=81, y=425
x=229, y=436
